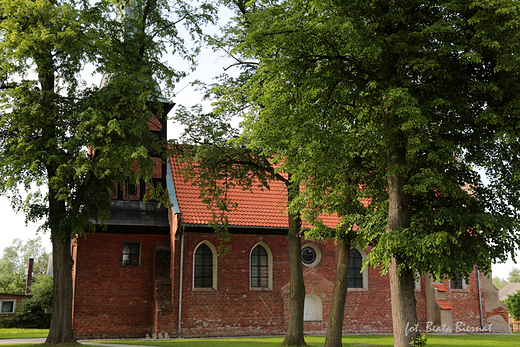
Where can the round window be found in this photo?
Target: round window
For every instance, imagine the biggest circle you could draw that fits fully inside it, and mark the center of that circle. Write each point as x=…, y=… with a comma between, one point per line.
x=310, y=254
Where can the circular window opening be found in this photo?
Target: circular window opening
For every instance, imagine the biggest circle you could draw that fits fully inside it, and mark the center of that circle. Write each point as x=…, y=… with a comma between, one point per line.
x=308, y=255
x=311, y=254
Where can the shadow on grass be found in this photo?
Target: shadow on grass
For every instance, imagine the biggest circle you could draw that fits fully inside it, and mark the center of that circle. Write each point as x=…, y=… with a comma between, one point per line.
x=312, y=341
x=469, y=340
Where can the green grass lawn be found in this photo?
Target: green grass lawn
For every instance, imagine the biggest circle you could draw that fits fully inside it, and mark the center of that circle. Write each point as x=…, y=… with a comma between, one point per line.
x=23, y=333
x=473, y=340
x=470, y=340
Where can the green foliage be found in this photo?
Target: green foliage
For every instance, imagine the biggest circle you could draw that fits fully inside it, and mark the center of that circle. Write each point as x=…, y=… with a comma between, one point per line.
x=34, y=312
x=339, y=89
x=514, y=276
x=371, y=107
x=513, y=305
x=11, y=282
x=419, y=341
x=13, y=264
x=64, y=142
x=499, y=282
x=55, y=130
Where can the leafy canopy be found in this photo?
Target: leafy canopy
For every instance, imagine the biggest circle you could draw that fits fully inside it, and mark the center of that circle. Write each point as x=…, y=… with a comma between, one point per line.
x=35, y=311
x=13, y=264
x=62, y=140
x=513, y=305
x=336, y=89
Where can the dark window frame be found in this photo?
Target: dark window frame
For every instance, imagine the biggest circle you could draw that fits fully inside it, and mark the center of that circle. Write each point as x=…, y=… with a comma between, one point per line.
x=131, y=189
x=203, y=267
x=355, y=275
x=13, y=306
x=308, y=255
x=259, y=267
x=131, y=254
x=457, y=282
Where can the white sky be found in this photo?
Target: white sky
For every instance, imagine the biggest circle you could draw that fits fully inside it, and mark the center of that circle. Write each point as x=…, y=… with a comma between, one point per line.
x=210, y=65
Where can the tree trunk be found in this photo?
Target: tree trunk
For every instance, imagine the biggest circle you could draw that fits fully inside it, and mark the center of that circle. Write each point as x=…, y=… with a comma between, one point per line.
x=61, y=319
x=294, y=336
x=404, y=314
x=339, y=296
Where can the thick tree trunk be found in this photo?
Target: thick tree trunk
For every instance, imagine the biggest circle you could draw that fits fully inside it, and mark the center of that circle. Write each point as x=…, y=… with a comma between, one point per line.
x=61, y=319
x=339, y=296
x=404, y=314
x=294, y=335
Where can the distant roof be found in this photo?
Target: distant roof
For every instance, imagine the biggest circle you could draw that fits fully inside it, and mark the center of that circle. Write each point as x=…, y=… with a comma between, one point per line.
x=256, y=207
x=4, y=295
x=508, y=289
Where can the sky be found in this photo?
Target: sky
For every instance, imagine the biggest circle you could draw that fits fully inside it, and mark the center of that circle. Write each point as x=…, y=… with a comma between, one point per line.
x=211, y=64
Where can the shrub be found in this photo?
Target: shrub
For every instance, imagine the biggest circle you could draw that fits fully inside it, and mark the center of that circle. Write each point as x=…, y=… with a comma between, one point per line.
x=513, y=305
x=419, y=341
x=34, y=312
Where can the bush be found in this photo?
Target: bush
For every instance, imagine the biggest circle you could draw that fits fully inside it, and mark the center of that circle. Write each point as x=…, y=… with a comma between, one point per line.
x=513, y=305
x=9, y=322
x=32, y=315
x=419, y=341
x=35, y=311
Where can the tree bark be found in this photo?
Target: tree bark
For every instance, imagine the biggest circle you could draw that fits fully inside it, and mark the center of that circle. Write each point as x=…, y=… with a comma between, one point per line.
x=339, y=297
x=61, y=319
x=294, y=336
x=404, y=314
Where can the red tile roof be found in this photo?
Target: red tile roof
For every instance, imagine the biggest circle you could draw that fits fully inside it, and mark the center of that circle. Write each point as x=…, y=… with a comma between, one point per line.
x=440, y=287
x=444, y=304
x=256, y=208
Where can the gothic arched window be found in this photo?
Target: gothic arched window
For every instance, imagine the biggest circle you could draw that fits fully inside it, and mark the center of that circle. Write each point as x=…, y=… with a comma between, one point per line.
x=355, y=276
x=203, y=267
x=259, y=268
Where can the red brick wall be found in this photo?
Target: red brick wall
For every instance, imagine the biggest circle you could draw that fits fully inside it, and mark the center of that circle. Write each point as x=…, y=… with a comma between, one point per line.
x=366, y=310
x=466, y=308
x=217, y=312
x=112, y=300
x=499, y=311
x=420, y=296
x=18, y=298
x=232, y=308
x=465, y=303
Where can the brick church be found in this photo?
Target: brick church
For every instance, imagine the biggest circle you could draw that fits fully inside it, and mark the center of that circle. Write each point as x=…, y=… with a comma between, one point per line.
x=155, y=271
